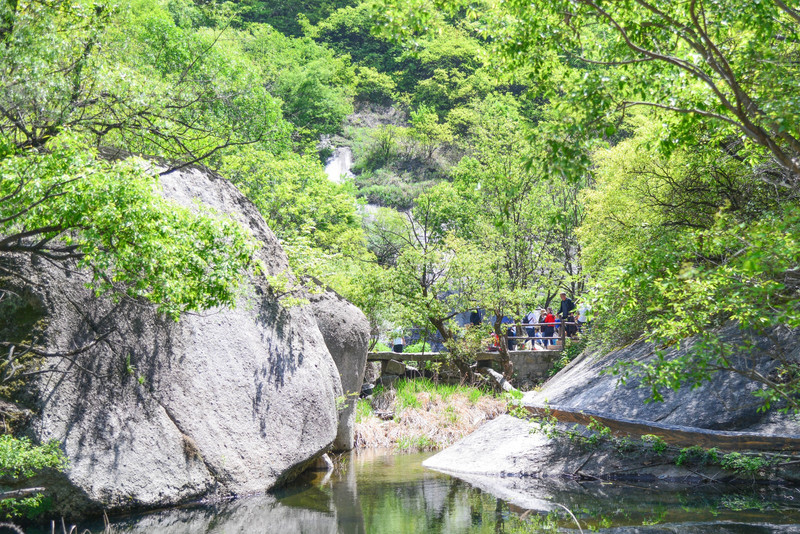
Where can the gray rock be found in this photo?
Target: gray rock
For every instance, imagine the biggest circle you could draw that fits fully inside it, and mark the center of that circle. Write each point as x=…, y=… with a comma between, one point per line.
x=372, y=372
x=506, y=447
x=394, y=367
x=230, y=401
x=256, y=514
x=346, y=332
x=725, y=403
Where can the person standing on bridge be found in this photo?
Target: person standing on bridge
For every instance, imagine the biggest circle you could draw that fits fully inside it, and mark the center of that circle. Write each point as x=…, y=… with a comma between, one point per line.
x=549, y=328
x=530, y=320
x=397, y=345
x=566, y=308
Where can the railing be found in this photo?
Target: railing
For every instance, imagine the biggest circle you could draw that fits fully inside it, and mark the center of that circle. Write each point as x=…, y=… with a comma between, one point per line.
x=560, y=329
x=488, y=354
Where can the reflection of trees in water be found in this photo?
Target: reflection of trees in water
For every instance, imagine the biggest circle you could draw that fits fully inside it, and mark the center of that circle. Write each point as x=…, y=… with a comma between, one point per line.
x=347, y=505
x=395, y=495
x=432, y=505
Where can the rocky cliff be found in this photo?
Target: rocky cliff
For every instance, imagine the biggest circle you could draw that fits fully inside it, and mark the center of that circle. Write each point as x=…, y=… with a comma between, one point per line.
x=509, y=448
x=230, y=401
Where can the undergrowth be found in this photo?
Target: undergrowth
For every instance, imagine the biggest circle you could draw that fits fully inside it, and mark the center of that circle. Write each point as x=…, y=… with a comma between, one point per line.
x=595, y=434
x=420, y=414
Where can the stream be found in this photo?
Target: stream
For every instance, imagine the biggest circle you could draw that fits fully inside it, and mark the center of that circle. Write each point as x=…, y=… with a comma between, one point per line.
x=384, y=492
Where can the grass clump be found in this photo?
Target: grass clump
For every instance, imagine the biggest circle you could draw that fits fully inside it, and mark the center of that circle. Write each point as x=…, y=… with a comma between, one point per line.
x=422, y=415
x=363, y=410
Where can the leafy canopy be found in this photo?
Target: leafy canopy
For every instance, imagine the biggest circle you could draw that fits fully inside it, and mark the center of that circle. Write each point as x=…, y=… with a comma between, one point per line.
x=68, y=204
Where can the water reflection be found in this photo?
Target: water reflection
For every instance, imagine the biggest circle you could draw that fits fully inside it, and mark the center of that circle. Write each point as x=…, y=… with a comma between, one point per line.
x=384, y=493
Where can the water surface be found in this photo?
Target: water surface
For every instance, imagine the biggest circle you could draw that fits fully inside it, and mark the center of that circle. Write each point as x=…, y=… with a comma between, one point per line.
x=381, y=492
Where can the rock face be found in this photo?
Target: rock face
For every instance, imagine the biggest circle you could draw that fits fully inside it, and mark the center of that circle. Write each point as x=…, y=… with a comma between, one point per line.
x=725, y=403
x=231, y=401
x=506, y=447
x=346, y=332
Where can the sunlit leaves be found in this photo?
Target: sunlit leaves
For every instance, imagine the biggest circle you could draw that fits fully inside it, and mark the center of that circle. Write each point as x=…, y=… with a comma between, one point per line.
x=68, y=204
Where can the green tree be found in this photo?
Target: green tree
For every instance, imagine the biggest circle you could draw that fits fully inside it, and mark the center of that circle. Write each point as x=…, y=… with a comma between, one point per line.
x=67, y=204
x=723, y=63
x=295, y=197
x=315, y=85
x=428, y=131
x=678, y=246
x=132, y=79
x=20, y=460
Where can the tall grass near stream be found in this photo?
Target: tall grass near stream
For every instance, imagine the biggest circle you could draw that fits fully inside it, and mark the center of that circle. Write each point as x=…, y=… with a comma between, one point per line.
x=421, y=415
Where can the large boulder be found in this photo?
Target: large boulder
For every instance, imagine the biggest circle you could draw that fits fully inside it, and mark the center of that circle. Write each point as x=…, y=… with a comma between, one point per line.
x=346, y=332
x=727, y=402
x=156, y=412
x=509, y=448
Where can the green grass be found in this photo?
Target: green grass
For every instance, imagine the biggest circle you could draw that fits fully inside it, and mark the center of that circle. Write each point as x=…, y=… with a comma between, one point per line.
x=418, y=347
x=363, y=410
x=416, y=442
x=407, y=391
x=451, y=415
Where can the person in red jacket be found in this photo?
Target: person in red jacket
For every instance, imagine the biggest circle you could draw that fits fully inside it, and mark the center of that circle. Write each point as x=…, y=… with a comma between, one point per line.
x=549, y=327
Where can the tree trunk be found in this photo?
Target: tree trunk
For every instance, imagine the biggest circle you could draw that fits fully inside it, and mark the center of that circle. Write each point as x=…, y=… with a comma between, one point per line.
x=502, y=347
x=463, y=366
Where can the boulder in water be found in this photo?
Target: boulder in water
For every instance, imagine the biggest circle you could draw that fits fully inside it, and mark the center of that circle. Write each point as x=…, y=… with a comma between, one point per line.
x=157, y=412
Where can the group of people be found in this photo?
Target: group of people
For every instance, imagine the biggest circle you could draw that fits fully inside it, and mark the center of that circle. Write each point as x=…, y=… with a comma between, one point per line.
x=540, y=327
x=543, y=327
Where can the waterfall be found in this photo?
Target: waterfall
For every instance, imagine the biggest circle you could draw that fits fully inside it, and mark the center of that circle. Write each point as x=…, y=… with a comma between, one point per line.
x=338, y=166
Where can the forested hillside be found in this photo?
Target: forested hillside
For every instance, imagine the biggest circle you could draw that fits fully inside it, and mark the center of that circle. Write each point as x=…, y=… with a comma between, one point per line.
x=640, y=156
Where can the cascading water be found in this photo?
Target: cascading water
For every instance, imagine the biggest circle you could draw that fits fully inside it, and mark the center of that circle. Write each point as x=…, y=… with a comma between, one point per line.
x=338, y=169
x=338, y=166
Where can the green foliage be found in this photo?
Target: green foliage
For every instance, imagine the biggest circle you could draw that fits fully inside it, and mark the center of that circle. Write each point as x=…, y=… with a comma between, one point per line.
x=599, y=432
x=596, y=433
x=695, y=194
x=407, y=394
x=697, y=454
x=28, y=507
x=428, y=132
x=67, y=203
x=315, y=85
x=464, y=347
x=288, y=16
x=410, y=388
x=295, y=197
x=363, y=410
x=132, y=79
x=743, y=464
x=678, y=246
x=714, y=64
x=741, y=281
x=422, y=443
x=375, y=148
x=656, y=443
x=740, y=463
x=19, y=460
x=420, y=346
x=624, y=444
x=348, y=32
x=374, y=86
x=516, y=409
